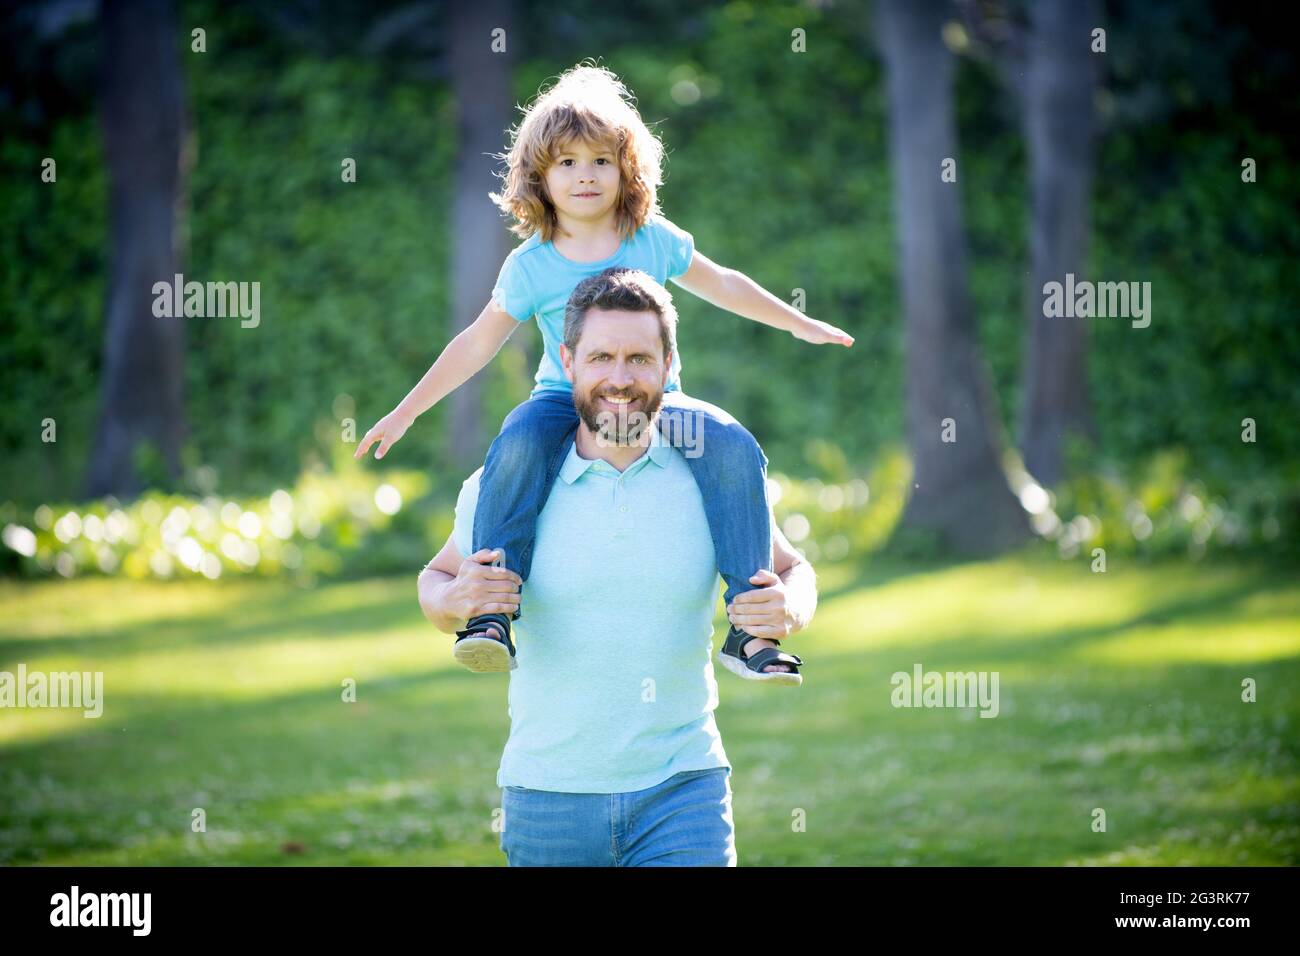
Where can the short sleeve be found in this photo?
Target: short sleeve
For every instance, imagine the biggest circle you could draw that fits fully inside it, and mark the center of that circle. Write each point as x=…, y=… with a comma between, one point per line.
x=680, y=247
x=466, y=504
x=511, y=291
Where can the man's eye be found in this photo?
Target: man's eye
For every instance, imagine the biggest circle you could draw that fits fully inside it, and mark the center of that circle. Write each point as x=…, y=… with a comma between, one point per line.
x=639, y=359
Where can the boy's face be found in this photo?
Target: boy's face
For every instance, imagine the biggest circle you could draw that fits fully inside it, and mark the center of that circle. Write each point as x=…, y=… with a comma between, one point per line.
x=583, y=182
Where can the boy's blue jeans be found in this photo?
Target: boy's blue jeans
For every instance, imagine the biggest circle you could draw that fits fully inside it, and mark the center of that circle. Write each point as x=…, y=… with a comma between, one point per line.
x=684, y=821
x=728, y=464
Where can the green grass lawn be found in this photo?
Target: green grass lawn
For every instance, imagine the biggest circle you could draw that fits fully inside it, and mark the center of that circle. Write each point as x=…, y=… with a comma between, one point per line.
x=1119, y=690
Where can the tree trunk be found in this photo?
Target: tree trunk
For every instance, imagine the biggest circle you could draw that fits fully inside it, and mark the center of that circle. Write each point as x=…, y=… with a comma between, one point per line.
x=1060, y=81
x=143, y=361
x=481, y=83
x=960, y=492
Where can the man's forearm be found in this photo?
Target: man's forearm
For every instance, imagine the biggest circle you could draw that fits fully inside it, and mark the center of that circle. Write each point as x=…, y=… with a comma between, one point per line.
x=800, y=582
x=432, y=588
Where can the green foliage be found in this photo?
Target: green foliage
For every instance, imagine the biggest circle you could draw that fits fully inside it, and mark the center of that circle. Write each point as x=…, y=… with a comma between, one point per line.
x=345, y=520
x=353, y=275
x=1222, y=345
x=353, y=286
x=846, y=517
x=53, y=268
x=778, y=163
x=1159, y=507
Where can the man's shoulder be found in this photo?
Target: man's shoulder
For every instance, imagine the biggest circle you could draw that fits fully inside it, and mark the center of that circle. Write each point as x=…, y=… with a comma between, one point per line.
x=468, y=493
x=466, y=504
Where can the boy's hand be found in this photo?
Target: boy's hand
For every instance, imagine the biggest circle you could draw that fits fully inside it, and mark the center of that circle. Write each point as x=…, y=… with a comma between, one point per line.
x=482, y=588
x=763, y=612
x=386, y=431
x=822, y=333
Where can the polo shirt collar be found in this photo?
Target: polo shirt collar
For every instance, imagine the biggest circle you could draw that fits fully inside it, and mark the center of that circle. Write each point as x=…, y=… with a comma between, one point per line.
x=575, y=466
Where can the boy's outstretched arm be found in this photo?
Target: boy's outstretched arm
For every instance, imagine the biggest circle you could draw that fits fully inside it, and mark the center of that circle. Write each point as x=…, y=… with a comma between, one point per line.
x=464, y=355
x=738, y=293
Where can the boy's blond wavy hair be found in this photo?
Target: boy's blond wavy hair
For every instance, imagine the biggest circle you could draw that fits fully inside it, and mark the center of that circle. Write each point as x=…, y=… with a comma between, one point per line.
x=587, y=103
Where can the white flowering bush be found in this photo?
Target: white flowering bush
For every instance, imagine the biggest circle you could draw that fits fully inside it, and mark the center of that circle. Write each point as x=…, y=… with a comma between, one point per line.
x=328, y=523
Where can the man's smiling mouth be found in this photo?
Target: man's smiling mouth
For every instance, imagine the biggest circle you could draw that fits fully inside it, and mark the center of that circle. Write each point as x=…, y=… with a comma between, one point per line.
x=618, y=401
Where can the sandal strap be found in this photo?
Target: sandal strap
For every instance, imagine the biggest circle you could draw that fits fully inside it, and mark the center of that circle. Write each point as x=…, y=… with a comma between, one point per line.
x=478, y=627
x=770, y=655
x=737, y=639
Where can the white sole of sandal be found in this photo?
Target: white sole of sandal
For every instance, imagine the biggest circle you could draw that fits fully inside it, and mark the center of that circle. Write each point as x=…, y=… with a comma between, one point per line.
x=740, y=670
x=484, y=655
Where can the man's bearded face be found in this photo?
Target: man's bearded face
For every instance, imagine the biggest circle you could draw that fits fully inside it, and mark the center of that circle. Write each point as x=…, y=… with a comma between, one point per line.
x=618, y=415
x=618, y=375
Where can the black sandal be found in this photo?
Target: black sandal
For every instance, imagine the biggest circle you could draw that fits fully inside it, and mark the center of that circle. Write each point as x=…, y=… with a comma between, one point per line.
x=480, y=651
x=732, y=657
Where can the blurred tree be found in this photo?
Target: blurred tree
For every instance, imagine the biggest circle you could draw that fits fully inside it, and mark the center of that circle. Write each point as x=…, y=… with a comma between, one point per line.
x=1060, y=83
x=480, y=76
x=143, y=125
x=1043, y=53
x=960, y=492
x=1192, y=87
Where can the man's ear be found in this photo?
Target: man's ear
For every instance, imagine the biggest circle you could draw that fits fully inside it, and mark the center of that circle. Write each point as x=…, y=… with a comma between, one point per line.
x=668, y=367
x=566, y=361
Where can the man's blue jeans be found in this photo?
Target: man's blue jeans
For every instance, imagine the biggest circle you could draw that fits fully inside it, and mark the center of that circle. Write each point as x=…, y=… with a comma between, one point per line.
x=728, y=465
x=684, y=821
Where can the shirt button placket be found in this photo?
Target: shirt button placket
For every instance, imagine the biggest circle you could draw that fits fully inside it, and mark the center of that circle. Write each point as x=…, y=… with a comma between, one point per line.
x=623, y=522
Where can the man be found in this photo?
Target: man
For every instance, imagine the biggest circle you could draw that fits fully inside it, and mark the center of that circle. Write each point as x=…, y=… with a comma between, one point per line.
x=614, y=757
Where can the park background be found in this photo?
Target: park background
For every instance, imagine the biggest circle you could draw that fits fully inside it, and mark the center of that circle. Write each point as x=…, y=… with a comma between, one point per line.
x=181, y=512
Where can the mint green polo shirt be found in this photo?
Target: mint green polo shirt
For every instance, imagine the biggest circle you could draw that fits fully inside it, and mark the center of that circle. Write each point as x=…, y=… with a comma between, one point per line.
x=615, y=689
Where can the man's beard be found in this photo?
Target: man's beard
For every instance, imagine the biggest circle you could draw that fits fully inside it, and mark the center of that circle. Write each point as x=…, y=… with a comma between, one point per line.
x=618, y=426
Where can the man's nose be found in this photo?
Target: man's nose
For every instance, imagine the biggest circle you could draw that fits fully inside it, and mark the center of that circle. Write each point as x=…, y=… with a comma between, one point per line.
x=621, y=375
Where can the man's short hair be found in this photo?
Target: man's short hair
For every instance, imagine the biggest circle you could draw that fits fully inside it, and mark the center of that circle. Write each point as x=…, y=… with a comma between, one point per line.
x=623, y=290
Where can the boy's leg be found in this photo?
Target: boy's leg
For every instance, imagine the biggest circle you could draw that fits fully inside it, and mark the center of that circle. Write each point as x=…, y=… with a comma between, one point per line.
x=521, y=466
x=731, y=471
x=517, y=477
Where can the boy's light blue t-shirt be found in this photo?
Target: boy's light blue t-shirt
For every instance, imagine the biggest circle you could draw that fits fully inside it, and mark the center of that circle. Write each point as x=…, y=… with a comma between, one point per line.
x=615, y=689
x=535, y=280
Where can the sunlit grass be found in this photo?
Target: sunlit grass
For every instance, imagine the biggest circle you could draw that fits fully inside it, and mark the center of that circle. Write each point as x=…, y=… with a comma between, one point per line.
x=1119, y=691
